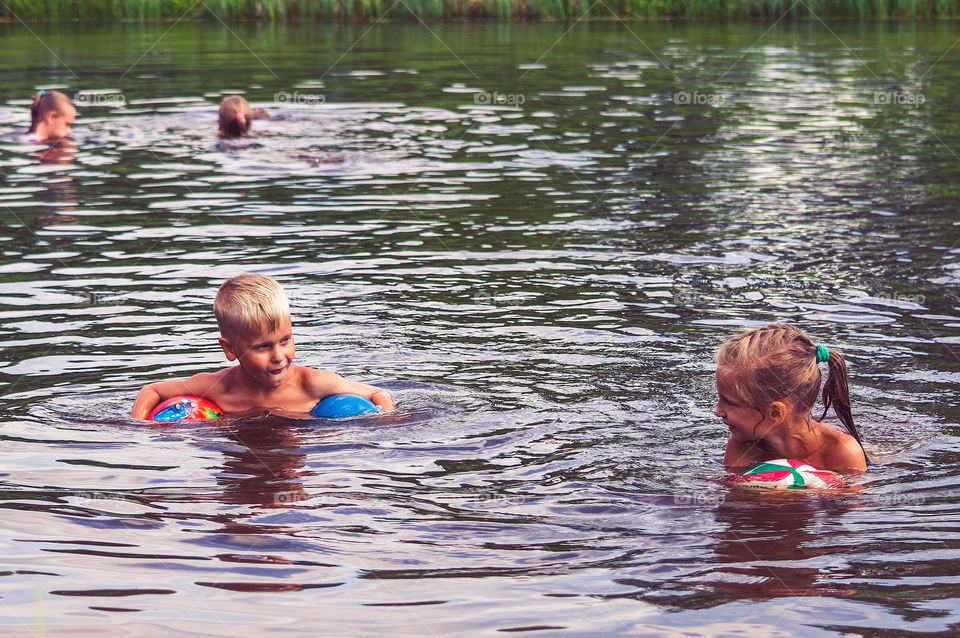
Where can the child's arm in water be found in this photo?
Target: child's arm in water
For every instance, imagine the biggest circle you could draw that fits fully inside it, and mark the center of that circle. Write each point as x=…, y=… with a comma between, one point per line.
x=323, y=383
x=153, y=394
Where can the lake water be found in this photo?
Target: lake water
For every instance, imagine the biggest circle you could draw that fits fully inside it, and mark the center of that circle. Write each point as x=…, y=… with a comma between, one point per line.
x=536, y=236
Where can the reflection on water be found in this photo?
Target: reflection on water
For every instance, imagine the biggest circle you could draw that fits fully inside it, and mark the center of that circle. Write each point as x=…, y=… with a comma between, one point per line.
x=537, y=243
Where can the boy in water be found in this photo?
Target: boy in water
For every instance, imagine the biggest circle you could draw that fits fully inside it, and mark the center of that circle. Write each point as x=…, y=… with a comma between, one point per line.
x=253, y=314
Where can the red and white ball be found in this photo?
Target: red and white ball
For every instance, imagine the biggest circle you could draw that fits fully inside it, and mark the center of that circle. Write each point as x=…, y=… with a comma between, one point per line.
x=787, y=474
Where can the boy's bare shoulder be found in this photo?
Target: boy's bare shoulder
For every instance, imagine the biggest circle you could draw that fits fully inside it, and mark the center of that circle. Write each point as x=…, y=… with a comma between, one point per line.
x=207, y=376
x=314, y=380
x=210, y=377
x=209, y=384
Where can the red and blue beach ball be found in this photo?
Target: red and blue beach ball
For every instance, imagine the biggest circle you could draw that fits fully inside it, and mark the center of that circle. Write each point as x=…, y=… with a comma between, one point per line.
x=185, y=408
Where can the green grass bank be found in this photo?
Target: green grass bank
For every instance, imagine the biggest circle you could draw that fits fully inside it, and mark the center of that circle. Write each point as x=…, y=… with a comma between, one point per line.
x=15, y=10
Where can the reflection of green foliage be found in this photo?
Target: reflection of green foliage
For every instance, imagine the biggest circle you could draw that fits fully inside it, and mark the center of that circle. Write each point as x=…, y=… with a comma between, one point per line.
x=499, y=9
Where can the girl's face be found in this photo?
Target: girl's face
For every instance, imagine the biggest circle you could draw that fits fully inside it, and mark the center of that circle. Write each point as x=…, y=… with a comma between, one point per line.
x=743, y=420
x=59, y=123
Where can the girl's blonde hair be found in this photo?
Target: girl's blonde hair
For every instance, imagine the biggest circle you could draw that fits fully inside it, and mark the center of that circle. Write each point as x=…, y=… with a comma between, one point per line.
x=44, y=102
x=250, y=304
x=236, y=117
x=780, y=362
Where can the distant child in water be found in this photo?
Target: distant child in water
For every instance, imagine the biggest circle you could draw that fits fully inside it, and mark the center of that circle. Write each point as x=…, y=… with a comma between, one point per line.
x=255, y=329
x=237, y=116
x=768, y=381
x=51, y=116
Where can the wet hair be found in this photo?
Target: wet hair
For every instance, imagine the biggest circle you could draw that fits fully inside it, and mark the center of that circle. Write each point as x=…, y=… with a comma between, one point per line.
x=780, y=362
x=250, y=304
x=44, y=102
x=236, y=117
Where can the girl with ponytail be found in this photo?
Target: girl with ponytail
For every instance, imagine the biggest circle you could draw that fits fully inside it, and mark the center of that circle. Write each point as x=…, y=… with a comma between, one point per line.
x=51, y=116
x=768, y=381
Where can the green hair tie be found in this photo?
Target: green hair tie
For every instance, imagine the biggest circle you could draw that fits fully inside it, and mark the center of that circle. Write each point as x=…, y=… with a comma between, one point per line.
x=822, y=354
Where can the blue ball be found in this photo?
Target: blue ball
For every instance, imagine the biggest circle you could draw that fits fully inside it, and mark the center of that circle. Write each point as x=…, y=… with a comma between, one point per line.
x=337, y=406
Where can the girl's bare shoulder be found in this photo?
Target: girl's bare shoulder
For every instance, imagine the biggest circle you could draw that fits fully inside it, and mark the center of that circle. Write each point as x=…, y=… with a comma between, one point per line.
x=841, y=452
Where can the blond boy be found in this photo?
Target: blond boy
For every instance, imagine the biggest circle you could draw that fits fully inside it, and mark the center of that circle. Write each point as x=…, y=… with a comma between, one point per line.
x=253, y=314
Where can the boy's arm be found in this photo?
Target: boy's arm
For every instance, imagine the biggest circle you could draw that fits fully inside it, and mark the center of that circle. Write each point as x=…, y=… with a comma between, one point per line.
x=154, y=393
x=323, y=383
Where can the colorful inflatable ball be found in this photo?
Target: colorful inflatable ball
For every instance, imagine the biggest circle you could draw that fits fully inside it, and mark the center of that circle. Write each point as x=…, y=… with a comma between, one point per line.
x=185, y=408
x=787, y=474
x=338, y=406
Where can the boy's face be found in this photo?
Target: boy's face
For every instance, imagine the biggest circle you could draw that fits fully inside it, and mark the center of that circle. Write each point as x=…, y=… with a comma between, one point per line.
x=266, y=358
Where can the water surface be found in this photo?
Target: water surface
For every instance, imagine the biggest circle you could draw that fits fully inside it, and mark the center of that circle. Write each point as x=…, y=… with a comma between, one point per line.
x=536, y=236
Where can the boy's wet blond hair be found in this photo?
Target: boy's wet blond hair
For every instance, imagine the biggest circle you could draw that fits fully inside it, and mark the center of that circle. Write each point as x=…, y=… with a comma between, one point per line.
x=779, y=362
x=250, y=304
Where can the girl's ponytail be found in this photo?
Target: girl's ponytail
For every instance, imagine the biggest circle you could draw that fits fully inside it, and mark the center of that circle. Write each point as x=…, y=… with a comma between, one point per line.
x=35, y=110
x=836, y=393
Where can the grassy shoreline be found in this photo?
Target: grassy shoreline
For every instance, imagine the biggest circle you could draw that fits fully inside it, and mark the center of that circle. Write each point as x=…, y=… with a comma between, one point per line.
x=135, y=10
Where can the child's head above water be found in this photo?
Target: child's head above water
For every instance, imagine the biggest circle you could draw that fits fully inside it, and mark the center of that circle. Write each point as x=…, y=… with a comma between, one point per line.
x=769, y=380
x=771, y=363
x=51, y=115
x=250, y=305
x=253, y=314
x=236, y=117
